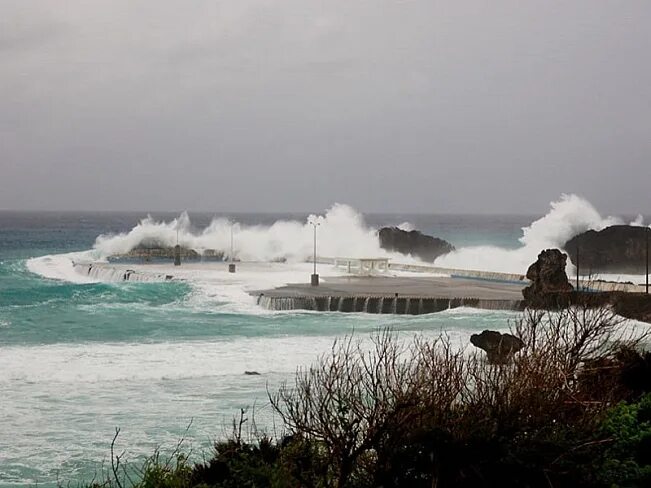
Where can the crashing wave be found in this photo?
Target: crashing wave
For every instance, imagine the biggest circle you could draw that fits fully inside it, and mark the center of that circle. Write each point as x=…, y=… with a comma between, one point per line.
x=341, y=232
x=568, y=216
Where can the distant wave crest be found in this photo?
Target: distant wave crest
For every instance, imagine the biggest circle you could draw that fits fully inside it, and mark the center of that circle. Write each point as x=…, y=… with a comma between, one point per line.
x=567, y=217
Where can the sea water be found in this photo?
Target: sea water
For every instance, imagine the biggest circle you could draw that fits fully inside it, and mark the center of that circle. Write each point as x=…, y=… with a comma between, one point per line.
x=165, y=360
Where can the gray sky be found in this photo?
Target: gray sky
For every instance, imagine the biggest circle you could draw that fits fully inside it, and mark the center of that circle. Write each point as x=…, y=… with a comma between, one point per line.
x=291, y=105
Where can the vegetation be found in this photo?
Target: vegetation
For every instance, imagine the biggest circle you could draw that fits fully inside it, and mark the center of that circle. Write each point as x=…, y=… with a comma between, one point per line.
x=571, y=409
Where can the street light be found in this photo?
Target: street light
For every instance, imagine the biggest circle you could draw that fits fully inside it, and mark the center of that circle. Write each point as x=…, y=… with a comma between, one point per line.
x=231, y=265
x=647, y=259
x=314, y=279
x=577, y=268
x=177, y=248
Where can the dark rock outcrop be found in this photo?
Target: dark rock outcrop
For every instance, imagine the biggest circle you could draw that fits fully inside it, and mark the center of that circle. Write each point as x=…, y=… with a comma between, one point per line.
x=422, y=246
x=615, y=249
x=547, y=276
x=636, y=306
x=499, y=348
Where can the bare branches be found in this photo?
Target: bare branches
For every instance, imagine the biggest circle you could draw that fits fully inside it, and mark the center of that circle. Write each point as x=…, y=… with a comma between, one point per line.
x=360, y=402
x=115, y=460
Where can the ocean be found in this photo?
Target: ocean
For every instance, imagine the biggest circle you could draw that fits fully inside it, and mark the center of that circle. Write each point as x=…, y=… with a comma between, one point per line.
x=165, y=360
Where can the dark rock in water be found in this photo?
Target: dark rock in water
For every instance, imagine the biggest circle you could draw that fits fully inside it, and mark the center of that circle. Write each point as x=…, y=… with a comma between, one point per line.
x=424, y=247
x=499, y=348
x=615, y=249
x=547, y=276
x=252, y=373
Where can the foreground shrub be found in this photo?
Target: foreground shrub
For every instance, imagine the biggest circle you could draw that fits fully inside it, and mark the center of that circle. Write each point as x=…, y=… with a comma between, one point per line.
x=626, y=431
x=426, y=414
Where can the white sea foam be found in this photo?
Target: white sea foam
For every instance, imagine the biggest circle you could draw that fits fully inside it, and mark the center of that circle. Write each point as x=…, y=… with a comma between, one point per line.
x=407, y=226
x=638, y=221
x=62, y=267
x=66, y=400
x=90, y=363
x=568, y=217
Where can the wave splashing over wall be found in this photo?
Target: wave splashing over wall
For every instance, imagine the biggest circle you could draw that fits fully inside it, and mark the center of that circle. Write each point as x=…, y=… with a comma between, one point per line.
x=341, y=232
x=568, y=216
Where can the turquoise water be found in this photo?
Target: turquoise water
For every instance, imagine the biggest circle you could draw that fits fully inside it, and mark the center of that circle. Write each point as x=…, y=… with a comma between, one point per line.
x=79, y=360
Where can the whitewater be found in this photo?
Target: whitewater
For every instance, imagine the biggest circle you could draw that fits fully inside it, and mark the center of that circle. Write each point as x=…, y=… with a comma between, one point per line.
x=82, y=354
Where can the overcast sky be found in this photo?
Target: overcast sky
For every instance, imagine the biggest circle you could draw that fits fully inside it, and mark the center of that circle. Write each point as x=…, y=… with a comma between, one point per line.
x=291, y=105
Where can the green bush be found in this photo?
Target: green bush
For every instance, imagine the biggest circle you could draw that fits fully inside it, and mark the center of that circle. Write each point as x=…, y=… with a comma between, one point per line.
x=626, y=431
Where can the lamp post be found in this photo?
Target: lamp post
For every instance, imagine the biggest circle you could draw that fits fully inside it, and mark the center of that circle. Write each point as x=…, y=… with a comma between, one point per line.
x=577, y=268
x=231, y=265
x=314, y=279
x=177, y=249
x=647, y=258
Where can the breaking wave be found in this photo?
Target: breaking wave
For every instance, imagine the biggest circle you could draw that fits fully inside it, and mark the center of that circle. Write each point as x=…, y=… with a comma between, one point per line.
x=567, y=217
x=341, y=232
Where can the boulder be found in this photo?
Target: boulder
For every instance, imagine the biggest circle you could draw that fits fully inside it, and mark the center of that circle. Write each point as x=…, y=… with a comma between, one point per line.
x=547, y=276
x=422, y=246
x=499, y=347
x=615, y=249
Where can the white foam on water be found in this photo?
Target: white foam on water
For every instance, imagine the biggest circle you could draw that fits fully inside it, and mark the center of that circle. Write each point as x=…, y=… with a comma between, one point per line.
x=61, y=267
x=568, y=217
x=106, y=362
x=464, y=312
x=65, y=400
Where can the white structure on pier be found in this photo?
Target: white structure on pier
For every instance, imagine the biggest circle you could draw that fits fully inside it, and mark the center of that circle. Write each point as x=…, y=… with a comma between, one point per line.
x=363, y=266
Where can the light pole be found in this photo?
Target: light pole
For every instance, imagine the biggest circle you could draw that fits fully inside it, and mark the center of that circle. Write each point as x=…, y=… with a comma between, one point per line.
x=314, y=279
x=231, y=265
x=647, y=258
x=177, y=249
x=577, y=267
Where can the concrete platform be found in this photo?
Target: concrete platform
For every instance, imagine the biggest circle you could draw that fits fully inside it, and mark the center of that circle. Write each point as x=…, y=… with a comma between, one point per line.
x=410, y=295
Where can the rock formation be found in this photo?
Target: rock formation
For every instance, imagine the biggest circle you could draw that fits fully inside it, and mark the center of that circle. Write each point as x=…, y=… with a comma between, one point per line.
x=615, y=249
x=424, y=247
x=499, y=348
x=547, y=276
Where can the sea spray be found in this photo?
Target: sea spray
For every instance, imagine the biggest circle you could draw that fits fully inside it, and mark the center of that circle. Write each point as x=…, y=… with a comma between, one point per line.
x=568, y=216
x=341, y=232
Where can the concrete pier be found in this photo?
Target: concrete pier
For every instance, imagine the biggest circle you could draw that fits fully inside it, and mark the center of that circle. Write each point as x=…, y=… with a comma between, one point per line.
x=396, y=295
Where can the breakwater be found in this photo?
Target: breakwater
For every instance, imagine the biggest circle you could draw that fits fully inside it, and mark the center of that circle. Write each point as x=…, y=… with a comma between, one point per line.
x=406, y=305
x=107, y=272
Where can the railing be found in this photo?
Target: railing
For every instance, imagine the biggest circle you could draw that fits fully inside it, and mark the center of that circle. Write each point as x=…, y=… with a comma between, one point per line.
x=363, y=266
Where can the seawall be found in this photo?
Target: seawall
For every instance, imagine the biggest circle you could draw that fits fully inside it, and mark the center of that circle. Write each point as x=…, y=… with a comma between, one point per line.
x=108, y=272
x=383, y=304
